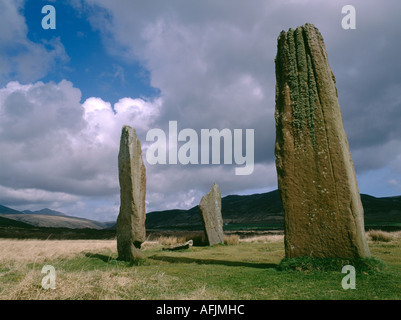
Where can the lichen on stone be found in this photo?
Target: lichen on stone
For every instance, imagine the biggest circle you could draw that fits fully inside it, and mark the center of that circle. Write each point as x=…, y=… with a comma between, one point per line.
x=301, y=82
x=322, y=208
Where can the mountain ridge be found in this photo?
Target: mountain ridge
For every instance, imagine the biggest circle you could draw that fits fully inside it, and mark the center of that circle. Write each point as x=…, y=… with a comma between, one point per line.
x=258, y=211
x=45, y=211
x=265, y=211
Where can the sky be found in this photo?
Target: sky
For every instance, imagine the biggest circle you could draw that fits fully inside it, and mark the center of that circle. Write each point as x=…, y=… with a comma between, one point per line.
x=65, y=94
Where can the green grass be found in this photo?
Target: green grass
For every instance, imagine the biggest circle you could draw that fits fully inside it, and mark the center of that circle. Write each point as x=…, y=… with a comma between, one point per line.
x=244, y=271
x=363, y=265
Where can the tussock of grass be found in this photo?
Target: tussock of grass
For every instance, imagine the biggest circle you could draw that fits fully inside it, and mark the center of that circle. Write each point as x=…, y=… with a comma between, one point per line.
x=379, y=236
x=264, y=239
x=231, y=240
x=330, y=264
x=198, y=238
x=171, y=240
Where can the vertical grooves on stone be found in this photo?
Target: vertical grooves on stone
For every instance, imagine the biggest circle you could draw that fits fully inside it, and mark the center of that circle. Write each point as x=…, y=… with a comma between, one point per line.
x=303, y=92
x=321, y=109
x=314, y=177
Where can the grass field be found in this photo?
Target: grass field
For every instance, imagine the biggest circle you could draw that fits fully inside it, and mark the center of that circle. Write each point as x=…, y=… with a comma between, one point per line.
x=248, y=269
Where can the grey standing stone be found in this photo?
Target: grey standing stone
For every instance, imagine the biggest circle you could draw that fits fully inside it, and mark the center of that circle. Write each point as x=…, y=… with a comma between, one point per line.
x=131, y=230
x=317, y=183
x=210, y=208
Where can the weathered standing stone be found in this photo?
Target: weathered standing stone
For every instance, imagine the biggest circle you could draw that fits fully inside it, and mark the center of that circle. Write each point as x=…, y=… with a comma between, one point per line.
x=131, y=230
x=210, y=208
x=316, y=176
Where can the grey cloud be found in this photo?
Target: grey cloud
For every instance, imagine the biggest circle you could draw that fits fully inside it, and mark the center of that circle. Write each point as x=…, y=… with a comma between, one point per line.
x=213, y=62
x=24, y=119
x=57, y=151
x=198, y=52
x=36, y=127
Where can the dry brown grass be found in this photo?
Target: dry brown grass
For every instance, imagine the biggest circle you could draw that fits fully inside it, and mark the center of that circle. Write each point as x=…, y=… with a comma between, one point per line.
x=21, y=262
x=198, y=238
x=231, y=240
x=171, y=240
x=264, y=239
x=396, y=235
x=380, y=236
x=87, y=285
x=39, y=251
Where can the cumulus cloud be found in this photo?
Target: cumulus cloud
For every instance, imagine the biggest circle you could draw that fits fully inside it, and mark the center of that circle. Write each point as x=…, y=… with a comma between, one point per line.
x=54, y=145
x=213, y=63
x=59, y=153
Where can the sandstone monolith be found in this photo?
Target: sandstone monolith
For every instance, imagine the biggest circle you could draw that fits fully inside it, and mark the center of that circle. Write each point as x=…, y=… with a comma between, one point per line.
x=316, y=178
x=210, y=208
x=131, y=230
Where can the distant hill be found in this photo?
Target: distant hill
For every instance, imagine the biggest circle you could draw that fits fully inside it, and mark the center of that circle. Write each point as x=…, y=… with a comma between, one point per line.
x=47, y=218
x=46, y=212
x=6, y=210
x=257, y=211
x=50, y=221
x=265, y=211
x=5, y=222
x=382, y=211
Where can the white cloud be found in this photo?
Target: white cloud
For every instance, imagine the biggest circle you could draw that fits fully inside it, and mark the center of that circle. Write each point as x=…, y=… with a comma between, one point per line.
x=21, y=58
x=59, y=153
x=213, y=62
x=27, y=196
x=54, y=145
x=138, y=112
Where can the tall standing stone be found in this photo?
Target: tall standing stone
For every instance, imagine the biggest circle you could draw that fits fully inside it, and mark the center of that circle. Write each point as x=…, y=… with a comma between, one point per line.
x=316, y=176
x=210, y=207
x=131, y=230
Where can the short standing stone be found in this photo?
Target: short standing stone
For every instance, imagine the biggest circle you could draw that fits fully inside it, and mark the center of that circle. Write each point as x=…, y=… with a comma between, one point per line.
x=210, y=207
x=131, y=230
x=323, y=211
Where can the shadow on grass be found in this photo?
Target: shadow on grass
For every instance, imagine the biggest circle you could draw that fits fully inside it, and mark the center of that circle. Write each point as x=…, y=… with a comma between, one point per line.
x=109, y=259
x=102, y=257
x=212, y=261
